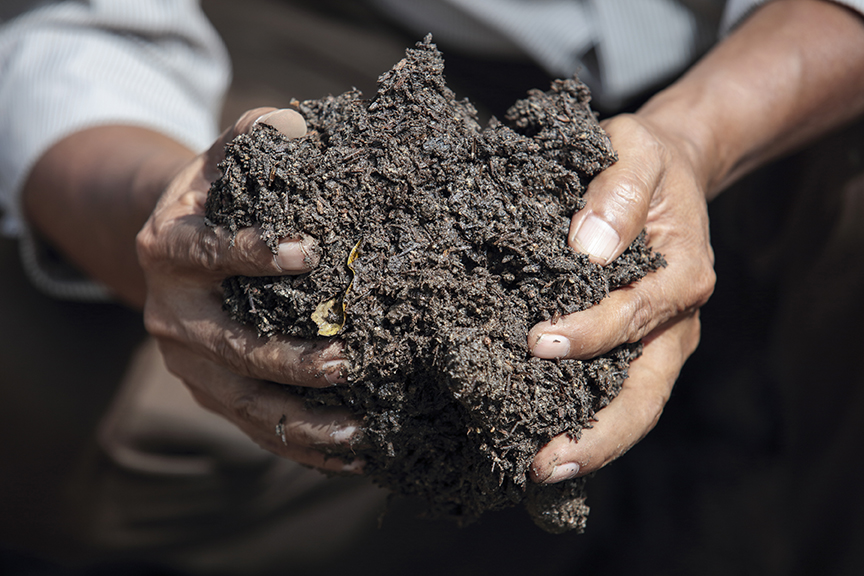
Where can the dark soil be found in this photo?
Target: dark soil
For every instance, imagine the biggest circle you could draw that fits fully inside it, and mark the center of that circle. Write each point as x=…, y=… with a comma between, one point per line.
x=442, y=243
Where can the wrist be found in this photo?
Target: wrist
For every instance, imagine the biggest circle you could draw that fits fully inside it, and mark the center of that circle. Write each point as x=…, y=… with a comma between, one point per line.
x=687, y=116
x=158, y=164
x=770, y=87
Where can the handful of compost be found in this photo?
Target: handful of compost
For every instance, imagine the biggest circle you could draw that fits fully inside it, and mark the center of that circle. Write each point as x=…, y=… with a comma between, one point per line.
x=442, y=243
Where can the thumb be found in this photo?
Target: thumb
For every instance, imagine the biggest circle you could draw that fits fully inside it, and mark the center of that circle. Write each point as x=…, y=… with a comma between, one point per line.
x=618, y=199
x=289, y=122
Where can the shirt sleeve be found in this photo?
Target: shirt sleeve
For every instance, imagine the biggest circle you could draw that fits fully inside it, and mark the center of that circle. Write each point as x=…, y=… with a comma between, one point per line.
x=736, y=11
x=66, y=66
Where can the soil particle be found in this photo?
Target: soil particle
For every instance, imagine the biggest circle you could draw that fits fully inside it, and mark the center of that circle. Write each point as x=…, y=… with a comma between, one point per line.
x=442, y=243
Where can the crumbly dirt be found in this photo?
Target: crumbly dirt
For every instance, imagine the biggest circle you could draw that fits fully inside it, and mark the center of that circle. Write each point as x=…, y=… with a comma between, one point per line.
x=441, y=244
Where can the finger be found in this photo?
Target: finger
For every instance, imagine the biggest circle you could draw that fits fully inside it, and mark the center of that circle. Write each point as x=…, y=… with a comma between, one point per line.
x=208, y=332
x=618, y=199
x=186, y=244
x=280, y=442
x=631, y=415
x=270, y=414
x=317, y=459
x=631, y=312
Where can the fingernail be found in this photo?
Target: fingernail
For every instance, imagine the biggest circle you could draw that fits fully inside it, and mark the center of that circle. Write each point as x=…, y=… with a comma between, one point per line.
x=551, y=346
x=596, y=238
x=354, y=466
x=288, y=122
x=343, y=434
x=335, y=371
x=563, y=472
x=296, y=256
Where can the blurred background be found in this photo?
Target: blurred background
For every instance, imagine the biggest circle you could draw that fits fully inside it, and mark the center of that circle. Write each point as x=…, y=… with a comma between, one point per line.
x=738, y=472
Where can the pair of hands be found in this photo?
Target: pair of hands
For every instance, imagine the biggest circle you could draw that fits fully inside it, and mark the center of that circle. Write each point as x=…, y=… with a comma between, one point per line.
x=233, y=372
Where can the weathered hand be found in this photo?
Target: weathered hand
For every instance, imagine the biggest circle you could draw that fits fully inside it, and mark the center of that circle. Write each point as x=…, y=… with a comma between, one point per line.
x=655, y=185
x=227, y=367
x=758, y=94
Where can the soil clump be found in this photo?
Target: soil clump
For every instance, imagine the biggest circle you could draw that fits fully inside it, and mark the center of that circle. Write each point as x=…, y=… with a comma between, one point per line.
x=441, y=244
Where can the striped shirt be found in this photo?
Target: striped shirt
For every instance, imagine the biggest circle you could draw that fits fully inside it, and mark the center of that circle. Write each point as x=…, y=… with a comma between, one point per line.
x=619, y=48
x=70, y=65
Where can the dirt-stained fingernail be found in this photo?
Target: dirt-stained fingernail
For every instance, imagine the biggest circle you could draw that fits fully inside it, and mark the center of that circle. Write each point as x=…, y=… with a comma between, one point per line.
x=551, y=346
x=297, y=255
x=355, y=466
x=562, y=472
x=343, y=433
x=335, y=371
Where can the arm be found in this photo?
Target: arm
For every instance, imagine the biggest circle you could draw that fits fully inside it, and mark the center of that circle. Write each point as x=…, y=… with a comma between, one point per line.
x=791, y=72
x=91, y=193
x=79, y=76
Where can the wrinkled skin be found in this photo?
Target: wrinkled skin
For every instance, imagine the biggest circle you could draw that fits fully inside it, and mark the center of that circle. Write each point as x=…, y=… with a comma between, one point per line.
x=90, y=193
x=772, y=85
x=662, y=308
x=227, y=367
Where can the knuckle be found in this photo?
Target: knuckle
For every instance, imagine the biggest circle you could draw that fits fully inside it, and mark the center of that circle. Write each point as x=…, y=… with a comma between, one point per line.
x=153, y=324
x=201, y=397
x=155, y=321
x=229, y=352
x=306, y=371
x=653, y=406
x=208, y=251
x=267, y=363
x=622, y=123
x=658, y=149
x=302, y=364
x=693, y=337
x=146, y=247
x=289, y=371
x=635, y=134
x=245, y=406
x=704, y=285
x=700, y=283
x=629, y=195
x=642, y=319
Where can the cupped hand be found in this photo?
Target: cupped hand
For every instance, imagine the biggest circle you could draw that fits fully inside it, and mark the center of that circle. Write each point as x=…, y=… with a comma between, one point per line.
x=229, y=369
x=657, y=184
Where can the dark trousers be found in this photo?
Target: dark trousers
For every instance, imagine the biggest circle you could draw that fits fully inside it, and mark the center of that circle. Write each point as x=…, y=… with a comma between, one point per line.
x=754, y=467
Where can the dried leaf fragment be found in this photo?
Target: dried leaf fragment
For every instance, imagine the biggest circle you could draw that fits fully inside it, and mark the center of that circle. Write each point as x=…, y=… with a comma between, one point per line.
x=329, y=315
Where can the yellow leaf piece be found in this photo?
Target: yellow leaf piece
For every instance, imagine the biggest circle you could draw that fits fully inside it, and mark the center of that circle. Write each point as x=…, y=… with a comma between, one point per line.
x=329, y=315
x=351, y=257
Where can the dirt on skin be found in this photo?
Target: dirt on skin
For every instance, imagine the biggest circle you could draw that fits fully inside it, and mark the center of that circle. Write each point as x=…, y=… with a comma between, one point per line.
x=441, y=244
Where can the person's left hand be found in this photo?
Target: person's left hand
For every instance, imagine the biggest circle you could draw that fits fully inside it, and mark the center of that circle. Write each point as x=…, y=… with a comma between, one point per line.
x=655, y=185
x=227, y=367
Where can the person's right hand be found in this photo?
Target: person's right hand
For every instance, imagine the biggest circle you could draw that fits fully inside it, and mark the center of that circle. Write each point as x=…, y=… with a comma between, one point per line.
x=228, y=368
x=658, y=186
x=791, y=71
